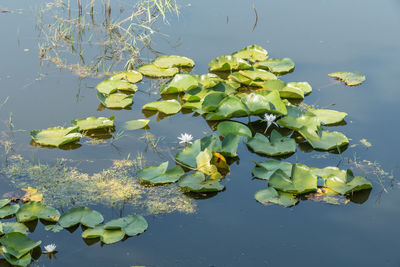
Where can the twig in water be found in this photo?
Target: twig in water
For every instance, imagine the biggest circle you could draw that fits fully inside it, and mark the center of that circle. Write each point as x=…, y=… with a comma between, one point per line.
x=255, y=23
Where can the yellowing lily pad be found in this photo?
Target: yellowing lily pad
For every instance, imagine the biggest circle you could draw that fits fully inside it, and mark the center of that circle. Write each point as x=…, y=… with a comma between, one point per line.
x=93, y=123
x=227, y=63
x=252, y=53
x=154, y=71
x=56, y=136
x=252, y=77
x=116, y=100
x=166, y=62
x=111, y=86
x=350, y=78
x=130, y=76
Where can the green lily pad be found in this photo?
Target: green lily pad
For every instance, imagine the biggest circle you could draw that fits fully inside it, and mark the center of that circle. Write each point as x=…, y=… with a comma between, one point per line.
x=180, y=83
x=325, y=140
x=291, y=92
x=212, y=101
x=350, y=78
x=10, y=227
x=93, y=123
x=132, y=225
x=197, y=182
x=106, y=236
x=187, y=156
x=56, y=136
x=33, y=210
x=111, y=86
x=196, y=94
x=227, y=63
x=348, y=184
x=154, y=71
x=230, y=106
x=131, y=76
x=301, y=181
x=160, y=174
x=168, y=106
x=4, y=202
x=230, y=145
x=270, y=195
x=8, y=210
x=277, y=145
x=329, y=117
x=24, y=260
x=208, y=80
x=135, y=124
x=276, y=65
x=258, y=103
x=166, y=62
x=233, y=127
x=264, y=170
x=252, y=53
x=18, y=244
x=83, y=215
x=55, y=228
x=252, y=77
x=116, y=100
x=303, y=86
x=273, y=85
x=299, y=119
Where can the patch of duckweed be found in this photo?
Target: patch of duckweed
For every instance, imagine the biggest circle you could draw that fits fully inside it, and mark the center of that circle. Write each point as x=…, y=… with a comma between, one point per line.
x=63, y=185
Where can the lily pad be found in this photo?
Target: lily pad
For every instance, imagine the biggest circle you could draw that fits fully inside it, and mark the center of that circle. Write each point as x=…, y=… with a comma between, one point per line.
x=25, y=260
x=168, y=106
x=329, y=117
x=208, y=80
x=93, y=123
x=83, y=215
x=325, y=140
x=299, y=119
x=33, y=210
x=277, y=145
x=154, y=71
x=180, y=83
x=252, y=77
x=166, y=62
x=276, y=65
x=160, y=174
x=264, y=170
x=230, y=106
x=187, y=157
x=132, y=225
x=106, y=236
x=270, y=195
x=8, y=210
x=348, y=184
x=212, y=101
x=304, y=86
x=197, y=182
x=131, y=76
x=350, y=78
x=233, y=127
x=111, y=86
x=10, y=227
x=56, y=136
x=116, y=100
x=18, y=244
x=203, y=162
x=259, y=103
x=227, y=63
x=252, y=53
x=4, y=202
x=301, y=181
x=135, y=124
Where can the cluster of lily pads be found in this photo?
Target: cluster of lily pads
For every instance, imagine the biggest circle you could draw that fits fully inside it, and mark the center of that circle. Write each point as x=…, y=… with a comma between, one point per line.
x=18, y=249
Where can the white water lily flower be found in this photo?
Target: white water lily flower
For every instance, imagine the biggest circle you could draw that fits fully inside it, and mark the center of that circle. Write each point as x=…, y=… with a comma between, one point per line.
x=269, y=119
x=185, y=139
x=50, y=248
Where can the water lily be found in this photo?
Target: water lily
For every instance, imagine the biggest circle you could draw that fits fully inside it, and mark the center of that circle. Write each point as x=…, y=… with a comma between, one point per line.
x=50, y=248
x=185, y=139
x=269, y=119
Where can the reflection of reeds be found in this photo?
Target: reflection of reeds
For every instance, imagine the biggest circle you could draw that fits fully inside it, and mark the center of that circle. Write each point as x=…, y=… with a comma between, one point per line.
x=99, y=37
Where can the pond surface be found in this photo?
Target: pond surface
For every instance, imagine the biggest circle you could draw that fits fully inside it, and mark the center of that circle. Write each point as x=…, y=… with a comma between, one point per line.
x=231, y=228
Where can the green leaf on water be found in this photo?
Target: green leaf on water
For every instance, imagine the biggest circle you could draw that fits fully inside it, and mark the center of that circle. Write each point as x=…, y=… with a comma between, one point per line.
x=252, y=53
x=33, y=210
x=264, y=170
x=132, y=225
x=106, y=236
x=8, y=210
x=233, y=127
x=135, y=124
x=154, y=71
x=56, y=136
x=262, y=101
x=10, y=227
x=55, y=228
x=227, y=63
x=166, y=62
x=208, y=80
x=252, y=77
x=328, y=116
x=180, y=83
x=168, y=106
x=130, y=76
x=18, y=244
x=350, y=78
x=270, y=195
x=83, y=215
x=230, y=106
x=93, y=123
x=160, y=175
x=111, y=86
x=197, y=182
x=348, y=184
x=4, y=202
x=24, y=260
x=276, y=145
x=276, y=65
x=116, y=100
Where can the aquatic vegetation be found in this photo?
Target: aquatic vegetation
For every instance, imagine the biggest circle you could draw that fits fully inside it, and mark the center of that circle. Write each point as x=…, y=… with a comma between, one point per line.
x=56, y=136
x=135, y=124
x=154, y=71
x=185, y=139
x=160, y=174
x=350, y=78
x=166, y=62
x=93, y=123
x=167, y=107
x=276, y=145
x=278, y=66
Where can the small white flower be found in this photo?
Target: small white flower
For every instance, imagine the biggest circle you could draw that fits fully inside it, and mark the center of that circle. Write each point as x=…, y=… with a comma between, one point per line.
x=269, y=119
x=185, y=139
x=50, y=248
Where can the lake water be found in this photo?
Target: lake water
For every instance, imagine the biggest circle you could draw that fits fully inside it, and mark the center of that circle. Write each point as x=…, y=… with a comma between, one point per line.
x=231, y=228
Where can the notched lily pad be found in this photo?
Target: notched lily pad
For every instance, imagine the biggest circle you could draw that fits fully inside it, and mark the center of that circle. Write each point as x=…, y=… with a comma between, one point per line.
x=116, y=100
x=93, y=123
x=10, y=227
x=8, y=210
x=233, y=127
x=135, y=124
x=83, y=215
x=252, y=77
x=154, y=71
x=18, y=244
x=111, y=86
x=270, y=195
x=132, y=225
x=197, y=182
x=227, y=63
x=252, y=53
x=106, y=236
x=276, y=65
x=260, y=102
x=264, y=170
x=348, y=184
x=350, y=78
x=167, y=107
x=180, y=83
x=56, y=136
x=166, y=62
x=328, y=116
x=130, y=76
x=276, y=145
x=160, y=175
x=36, y=210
